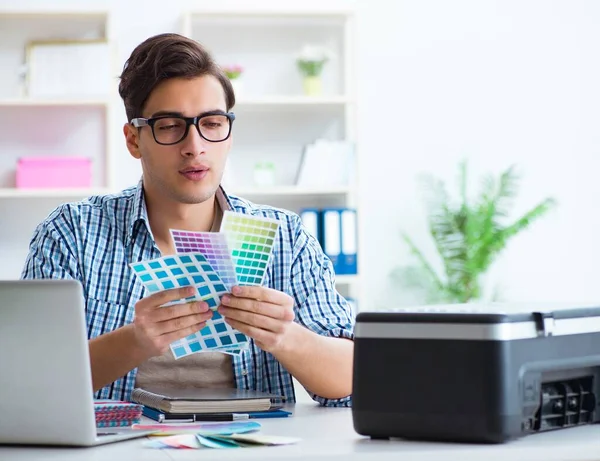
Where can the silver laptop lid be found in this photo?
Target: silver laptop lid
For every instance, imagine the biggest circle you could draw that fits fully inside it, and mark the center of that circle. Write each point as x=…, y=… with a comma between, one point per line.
x=45, y=377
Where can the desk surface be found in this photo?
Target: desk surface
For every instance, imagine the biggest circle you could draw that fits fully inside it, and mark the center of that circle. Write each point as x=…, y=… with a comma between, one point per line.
x=328, y=433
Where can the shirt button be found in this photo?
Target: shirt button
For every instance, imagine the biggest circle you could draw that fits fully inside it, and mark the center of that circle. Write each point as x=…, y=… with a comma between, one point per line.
x=244, y=372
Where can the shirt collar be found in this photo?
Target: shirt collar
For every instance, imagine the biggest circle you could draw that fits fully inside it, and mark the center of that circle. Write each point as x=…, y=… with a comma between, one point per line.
x=139, y=212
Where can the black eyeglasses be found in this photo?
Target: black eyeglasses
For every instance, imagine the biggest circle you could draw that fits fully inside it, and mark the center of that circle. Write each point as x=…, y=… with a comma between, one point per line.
x=172, y=129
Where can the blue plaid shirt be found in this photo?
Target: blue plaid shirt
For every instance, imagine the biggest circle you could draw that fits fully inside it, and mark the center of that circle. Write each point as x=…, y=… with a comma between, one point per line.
x=94, y=241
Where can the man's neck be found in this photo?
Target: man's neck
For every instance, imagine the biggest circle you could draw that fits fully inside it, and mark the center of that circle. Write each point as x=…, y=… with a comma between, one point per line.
x=164, y=215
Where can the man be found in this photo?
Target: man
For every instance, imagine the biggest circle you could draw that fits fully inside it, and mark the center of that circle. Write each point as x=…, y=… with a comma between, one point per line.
x=178, y=103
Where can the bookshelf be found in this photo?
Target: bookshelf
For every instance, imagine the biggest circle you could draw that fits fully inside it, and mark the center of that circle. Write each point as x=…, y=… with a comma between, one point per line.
x=275, y=120
x=275, y=117
x=65, y=124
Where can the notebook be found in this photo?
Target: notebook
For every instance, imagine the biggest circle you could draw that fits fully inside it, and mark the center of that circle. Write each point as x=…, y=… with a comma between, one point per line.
x=165, y=417
x=205, y=400
x=116, y=413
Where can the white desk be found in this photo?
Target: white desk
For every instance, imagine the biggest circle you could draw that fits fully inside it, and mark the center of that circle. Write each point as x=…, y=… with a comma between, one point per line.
x=328, y=434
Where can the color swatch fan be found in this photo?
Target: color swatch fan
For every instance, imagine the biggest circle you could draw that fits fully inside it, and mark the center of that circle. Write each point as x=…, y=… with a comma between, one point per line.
x=250, y=240
x=192, y=269
x=213, y=262
x=213, y=246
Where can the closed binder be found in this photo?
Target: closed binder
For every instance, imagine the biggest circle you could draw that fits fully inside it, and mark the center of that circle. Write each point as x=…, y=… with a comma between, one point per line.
x=348, y=256
x=332, y=236
x=310, y=220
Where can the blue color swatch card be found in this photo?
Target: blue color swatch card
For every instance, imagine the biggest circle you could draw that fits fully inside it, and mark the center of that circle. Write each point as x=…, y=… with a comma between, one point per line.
x=185, y=270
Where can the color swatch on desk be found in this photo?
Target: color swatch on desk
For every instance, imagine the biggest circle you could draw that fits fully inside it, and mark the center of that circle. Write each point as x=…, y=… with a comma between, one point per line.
x=196, y=441
x=213, y=246
x=250, y=240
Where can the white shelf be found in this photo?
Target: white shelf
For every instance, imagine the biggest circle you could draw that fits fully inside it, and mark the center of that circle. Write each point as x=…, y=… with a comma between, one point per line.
x=19, y=102
x=282, y=10
x=292, y=101
x=290, y=191
x=53, y=13
x=50, y=193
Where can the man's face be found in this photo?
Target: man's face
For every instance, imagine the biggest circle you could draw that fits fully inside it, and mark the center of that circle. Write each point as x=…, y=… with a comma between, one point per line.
x=191, y=170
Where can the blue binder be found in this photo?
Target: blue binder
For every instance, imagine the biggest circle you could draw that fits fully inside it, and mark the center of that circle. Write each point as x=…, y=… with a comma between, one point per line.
x=312, y=223
x=349, y=241
x=331, y=225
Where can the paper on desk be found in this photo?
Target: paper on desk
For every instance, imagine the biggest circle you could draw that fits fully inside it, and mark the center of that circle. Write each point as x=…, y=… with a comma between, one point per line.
x=196, y=441
x=259, y=439
x=174, y=441
x=208, y=428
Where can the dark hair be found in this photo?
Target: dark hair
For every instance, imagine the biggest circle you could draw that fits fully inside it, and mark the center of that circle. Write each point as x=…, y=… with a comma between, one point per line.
x=162, y=57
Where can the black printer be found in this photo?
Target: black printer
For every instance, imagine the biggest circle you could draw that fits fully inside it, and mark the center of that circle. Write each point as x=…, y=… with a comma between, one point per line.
x=475, y=373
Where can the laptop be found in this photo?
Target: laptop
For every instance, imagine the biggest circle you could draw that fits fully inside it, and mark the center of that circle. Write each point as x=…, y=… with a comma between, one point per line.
x=46, y=393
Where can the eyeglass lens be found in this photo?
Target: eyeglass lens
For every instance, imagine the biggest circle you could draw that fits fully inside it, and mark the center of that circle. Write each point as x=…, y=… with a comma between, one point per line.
x=171, y=130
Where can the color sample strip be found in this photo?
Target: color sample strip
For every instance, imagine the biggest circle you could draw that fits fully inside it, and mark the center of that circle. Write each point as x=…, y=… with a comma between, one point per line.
x=213, y=245
x=250, y=240
x=192, y=269
x=217, y=335
x=179, y=271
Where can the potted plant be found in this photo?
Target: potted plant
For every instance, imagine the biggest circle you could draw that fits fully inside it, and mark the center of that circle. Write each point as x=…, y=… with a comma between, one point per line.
x=469, y=235
x=311, y=61
x=234, y=73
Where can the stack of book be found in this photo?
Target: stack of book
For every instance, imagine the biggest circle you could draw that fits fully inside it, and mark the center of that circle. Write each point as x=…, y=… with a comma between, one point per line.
x=206, y=404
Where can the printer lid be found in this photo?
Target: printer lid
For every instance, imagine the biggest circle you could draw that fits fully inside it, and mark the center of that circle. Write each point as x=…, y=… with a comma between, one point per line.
x=480, y=321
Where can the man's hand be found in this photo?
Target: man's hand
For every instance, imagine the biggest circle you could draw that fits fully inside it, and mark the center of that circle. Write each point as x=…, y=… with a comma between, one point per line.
x=156, y=327
x=261, y=313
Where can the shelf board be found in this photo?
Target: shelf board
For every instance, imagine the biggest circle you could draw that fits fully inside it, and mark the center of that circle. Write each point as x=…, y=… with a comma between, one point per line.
x=346, y=279
x=287, y=191
x=241, y=10
x=10, y=192
x=39, y=102
x=292, y=100
x=52, y=13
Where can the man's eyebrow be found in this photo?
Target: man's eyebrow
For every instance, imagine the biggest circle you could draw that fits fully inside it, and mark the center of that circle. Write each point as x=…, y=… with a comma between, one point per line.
x=166, y=112
x=174, y=113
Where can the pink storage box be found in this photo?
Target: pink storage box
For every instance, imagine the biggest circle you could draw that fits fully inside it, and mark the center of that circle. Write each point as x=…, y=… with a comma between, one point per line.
x=53, y=172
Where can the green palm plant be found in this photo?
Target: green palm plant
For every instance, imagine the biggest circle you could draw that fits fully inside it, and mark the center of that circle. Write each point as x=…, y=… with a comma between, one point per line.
x=468, y=236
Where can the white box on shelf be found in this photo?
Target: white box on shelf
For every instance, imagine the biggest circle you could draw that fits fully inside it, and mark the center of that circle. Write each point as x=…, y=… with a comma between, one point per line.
x=68, y=68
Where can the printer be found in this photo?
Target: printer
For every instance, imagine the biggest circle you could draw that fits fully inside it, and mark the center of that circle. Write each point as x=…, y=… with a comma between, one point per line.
x=483, y=373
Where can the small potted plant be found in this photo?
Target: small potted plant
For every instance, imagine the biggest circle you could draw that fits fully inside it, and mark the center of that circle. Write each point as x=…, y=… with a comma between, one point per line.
x=234, y=74
x=311, y=61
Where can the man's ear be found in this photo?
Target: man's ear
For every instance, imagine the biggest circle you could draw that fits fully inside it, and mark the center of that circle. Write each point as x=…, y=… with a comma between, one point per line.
x=131, y=140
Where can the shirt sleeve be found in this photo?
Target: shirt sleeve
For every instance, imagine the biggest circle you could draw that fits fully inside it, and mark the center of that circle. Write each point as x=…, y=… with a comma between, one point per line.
x=51, y=250
x=319, y=306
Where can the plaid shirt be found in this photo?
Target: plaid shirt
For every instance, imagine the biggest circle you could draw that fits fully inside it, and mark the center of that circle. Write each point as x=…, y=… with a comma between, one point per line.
x=95, y=240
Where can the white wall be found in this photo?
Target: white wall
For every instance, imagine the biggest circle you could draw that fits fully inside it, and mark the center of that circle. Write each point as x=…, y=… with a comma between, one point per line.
x=496, y=81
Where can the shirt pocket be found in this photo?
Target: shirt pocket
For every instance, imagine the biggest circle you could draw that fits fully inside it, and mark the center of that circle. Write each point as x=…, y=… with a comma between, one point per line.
x=104, y=316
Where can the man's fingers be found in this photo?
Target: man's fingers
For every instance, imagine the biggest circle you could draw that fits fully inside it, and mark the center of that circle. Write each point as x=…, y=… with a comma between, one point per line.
x=250, y=318
x=261, y=293
x=258, y=334
x=275, y=311
x=158, y=299
x=177, y=335
x=182, y=323
x=179, y=310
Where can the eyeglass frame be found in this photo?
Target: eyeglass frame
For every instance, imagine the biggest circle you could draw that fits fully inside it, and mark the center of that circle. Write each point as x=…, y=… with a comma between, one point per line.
x=140, y=122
